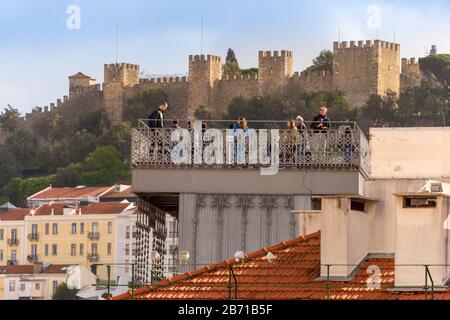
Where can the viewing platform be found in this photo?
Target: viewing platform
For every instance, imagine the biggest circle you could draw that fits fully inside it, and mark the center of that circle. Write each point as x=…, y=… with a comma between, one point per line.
x=170, y=160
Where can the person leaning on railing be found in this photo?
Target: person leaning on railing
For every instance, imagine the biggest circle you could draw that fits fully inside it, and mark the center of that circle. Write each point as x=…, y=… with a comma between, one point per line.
x=304, y=150
x=321, y=121
x=156, y=118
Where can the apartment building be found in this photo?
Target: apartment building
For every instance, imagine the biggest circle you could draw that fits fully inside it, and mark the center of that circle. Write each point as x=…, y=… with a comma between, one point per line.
x=12, y=236
x=39, y=281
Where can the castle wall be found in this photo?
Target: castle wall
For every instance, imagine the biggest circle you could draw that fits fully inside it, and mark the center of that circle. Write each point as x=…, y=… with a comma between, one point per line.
x=389, y=67
x=231, y=87
x=411, y=75
x=308, y=82
x=175, y=87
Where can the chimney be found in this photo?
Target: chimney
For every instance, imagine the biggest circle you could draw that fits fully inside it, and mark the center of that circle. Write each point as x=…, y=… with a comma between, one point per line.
x=37, y=268
x=344, y=234
x=422, y=236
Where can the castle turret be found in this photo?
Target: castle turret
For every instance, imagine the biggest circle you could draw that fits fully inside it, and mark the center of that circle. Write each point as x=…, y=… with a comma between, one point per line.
x=204, y=72
x=274, y=71
x=361, y=69
x=117, y=77
x=78, y=82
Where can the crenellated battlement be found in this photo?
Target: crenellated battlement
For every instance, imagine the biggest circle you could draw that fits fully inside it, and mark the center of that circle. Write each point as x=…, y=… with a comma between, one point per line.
x=163, y=80
x=116, y=67
x=365, y=44
x=204, y=58
x=312, y=74
x=240, y=77
x=409, y=62
x=275, y=54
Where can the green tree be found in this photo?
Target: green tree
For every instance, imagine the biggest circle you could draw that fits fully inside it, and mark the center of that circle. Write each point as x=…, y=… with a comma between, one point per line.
x=103, y=167
x=202, y=113
x=439, y=65
x=23, y=145
x=231, y=66
x=323, y=62
x=118, y=135
x=8, y=166
x=69, y=176
x=63, y=292
x=19, y=189
x=10, y=119
x=249, y=71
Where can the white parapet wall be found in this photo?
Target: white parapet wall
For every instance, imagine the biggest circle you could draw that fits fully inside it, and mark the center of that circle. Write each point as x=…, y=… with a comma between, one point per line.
x=410, y=153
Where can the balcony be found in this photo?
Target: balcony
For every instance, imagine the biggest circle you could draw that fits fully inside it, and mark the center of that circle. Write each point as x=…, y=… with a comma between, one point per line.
x=13, y=242
x=241, y=161
x=93, y=236
x=11, y=262
x=151, y=148
x=33, y=258
x=93, y=257
x=33, y=236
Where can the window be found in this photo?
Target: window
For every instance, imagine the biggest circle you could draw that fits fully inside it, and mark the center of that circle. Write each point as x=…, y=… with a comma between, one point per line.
x=74, y=228
x=94, y=248
x=34, y=228
x=94, y=227
x=82, y=227
x=46, y=250
x=47, y=227
x=411, y=202
x=73, y=249
x=1, y=255
x=1, y=234
x=81, y=249
x=109, y=250
x=13, y=256
x=54, y=249
x=357, y=205
x=127, y=250
x=55, y=285
x=33, y=250
x=110, y=227
x=37, y=286
x=127, y=266
x=12, y=286
x=22, y=287
x=127, y=234
x=14, y=234
x=55, y=228
x=316, y=204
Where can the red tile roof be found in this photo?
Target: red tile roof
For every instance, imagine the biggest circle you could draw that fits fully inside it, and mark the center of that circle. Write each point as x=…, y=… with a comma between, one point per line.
x=28, y=269
x=290, y=276
x=123, y=194
x=92, y=208
x=14, y=214
x=69, y=193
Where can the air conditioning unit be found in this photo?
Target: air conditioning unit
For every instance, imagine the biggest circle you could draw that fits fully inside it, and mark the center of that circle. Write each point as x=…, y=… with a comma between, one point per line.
x=436, y=187
x=184, y=257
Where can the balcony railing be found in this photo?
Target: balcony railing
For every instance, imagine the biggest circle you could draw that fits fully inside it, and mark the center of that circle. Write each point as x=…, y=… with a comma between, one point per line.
x=33, y=258
x=11, y=262
x=13, y=242
x=93, y=235
x=33, y=236
x=93, y=257
x=335, y=148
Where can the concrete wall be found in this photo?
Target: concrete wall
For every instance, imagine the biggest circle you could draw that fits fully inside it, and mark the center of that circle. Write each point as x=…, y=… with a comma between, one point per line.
x=410, y=153
x=422, y=237
x=248, y=181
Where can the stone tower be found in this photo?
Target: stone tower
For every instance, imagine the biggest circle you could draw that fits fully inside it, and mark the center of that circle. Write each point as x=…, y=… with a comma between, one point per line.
x=204, y=72
x=274, y=71
x=117, y=77
x=364, y=68
x=79, y=82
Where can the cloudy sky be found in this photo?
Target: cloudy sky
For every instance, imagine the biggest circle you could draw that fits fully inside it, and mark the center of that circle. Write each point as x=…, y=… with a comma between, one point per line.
x=42, y=42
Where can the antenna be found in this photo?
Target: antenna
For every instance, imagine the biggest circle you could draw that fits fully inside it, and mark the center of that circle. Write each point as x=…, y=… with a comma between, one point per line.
x=339, y=33
x=117, y=43
x=201, y=35
x=378, y=34
x=394, y=35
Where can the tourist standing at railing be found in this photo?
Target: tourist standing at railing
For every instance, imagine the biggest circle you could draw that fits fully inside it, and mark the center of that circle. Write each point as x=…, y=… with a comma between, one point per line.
x=321, y=125
x=321, y=121
x=290, y=143
x=175, y=124
x=304, y=150
x=156, y=118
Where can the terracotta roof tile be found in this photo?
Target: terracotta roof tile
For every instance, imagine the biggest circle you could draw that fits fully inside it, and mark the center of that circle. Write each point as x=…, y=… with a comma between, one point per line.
x=292, y=275
x=92, y=208
x=28, y=269
x=70, y=193
x=14, y=214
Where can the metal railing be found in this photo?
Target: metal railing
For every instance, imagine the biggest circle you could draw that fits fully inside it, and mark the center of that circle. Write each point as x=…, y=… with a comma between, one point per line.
x=93, y=257
x=33, y=258
x=33, y=236
x=309, y=148
x=11, y=262
x=93, y=235
x=13, y=242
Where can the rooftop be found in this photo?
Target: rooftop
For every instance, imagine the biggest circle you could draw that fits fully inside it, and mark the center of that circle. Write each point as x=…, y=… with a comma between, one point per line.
x=29, y=269
x=17, y=214
x=79, y=75
x=92, y=208
x=78, y=193
x=292, y=275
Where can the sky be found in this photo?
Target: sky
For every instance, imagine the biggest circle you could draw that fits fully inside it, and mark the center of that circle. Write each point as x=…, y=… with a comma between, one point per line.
x=43, y=42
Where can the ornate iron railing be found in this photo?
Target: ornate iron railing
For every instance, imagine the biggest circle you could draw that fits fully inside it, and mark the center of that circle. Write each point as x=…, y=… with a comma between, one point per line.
x=303, y=149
